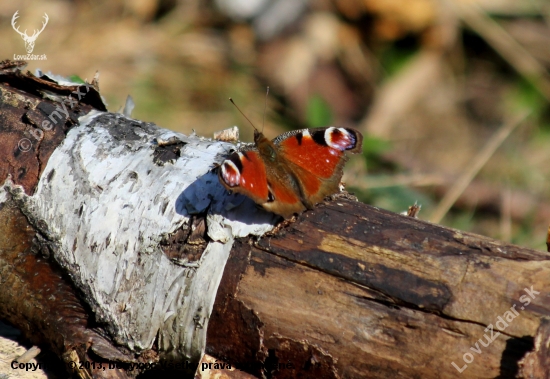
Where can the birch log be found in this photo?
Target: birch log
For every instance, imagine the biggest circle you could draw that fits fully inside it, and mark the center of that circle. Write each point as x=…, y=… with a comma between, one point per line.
x=104, y=202
x=118, y=245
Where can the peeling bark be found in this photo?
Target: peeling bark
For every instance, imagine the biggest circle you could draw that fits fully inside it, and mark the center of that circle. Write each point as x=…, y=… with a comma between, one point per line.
x=109, y=205
x=38, y=297
x=536, y=363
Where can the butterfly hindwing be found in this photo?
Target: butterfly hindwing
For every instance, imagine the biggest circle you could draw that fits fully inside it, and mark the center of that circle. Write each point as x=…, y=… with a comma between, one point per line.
x=244, y=172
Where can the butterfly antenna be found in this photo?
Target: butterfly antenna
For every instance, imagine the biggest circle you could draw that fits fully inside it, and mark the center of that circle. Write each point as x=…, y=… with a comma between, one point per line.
x=232, y=102
x=265, y=107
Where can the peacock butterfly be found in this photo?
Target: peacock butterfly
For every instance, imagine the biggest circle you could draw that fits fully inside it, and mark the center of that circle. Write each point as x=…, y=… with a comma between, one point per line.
x=293, y=172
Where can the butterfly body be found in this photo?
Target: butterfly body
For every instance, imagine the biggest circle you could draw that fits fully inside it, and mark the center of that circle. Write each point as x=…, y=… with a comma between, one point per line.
x=293, y=172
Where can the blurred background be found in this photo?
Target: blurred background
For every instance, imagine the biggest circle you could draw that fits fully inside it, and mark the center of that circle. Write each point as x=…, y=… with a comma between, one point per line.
x=451, y=95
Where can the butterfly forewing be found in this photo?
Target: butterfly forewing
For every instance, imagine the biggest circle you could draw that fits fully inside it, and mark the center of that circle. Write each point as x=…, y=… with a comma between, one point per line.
x=318, y=151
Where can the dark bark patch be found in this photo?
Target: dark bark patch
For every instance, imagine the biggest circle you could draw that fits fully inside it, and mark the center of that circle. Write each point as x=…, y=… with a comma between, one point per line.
x=292, y=359
x=12, y=74
x=516, y=348
x=391, y=282
x=187, y=244
x=167, y=154
x=235, y=331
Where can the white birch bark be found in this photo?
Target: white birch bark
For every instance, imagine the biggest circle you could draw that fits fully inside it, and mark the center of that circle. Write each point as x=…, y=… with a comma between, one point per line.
x=104, y=206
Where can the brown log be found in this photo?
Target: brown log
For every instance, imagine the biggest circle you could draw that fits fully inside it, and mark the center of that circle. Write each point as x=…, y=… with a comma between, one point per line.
x=353, y=291
x=345, y=291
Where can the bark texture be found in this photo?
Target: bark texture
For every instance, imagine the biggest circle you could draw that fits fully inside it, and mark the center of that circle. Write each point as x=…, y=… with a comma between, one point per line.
x=38, y=296
x=381, y=295
x=535, y=363
x=131, y=213
x=345, y=291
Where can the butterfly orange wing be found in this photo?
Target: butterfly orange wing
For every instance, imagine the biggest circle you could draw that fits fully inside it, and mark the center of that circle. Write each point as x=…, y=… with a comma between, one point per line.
x=317, y=157
x=306, y=166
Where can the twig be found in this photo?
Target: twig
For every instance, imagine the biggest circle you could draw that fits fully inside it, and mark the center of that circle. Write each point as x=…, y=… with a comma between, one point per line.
x=477, y=163
x=506, y=214
x=544, y=9
x=28, y=355
x=414, y=180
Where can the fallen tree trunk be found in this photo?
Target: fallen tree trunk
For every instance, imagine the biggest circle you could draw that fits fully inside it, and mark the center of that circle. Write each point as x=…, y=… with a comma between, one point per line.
x=122, y=249
x=383, y=296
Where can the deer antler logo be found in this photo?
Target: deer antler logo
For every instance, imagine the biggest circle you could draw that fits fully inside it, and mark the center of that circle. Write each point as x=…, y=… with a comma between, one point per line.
x=29, y=40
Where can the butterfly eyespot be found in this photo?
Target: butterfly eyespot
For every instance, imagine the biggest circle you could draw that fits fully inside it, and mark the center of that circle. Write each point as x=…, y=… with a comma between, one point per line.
x=230, y=174
x=340, y=138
